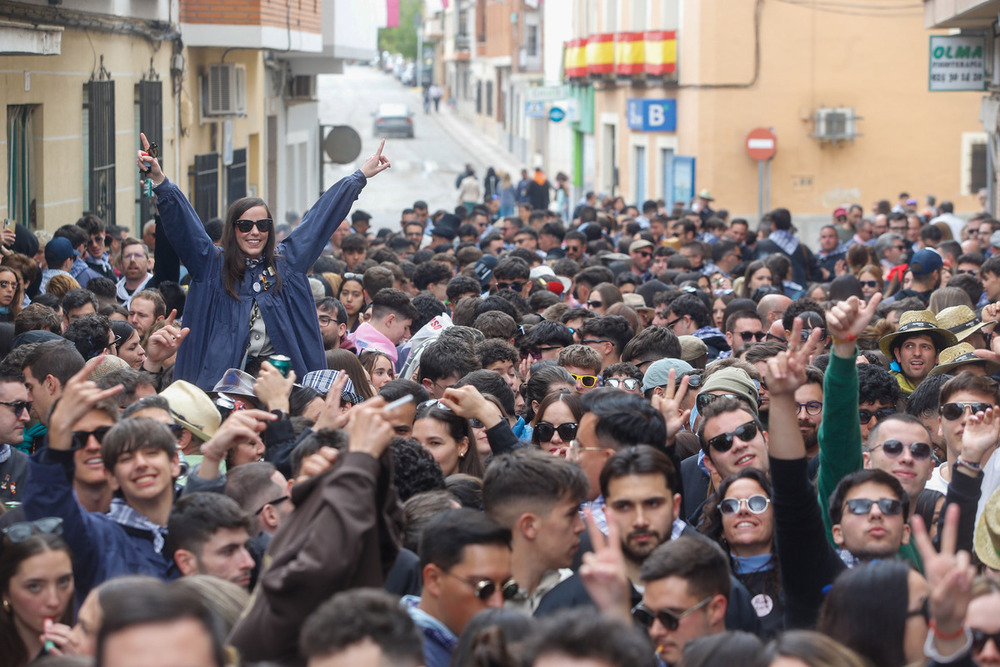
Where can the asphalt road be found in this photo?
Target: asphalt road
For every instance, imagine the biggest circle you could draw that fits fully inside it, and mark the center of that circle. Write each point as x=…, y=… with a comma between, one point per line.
x=424, y=167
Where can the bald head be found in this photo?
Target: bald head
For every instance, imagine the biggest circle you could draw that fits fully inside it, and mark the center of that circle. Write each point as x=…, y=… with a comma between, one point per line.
x=772, y=307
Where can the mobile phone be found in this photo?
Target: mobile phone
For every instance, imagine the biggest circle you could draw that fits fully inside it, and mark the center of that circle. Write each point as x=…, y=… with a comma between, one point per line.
x=8, y=223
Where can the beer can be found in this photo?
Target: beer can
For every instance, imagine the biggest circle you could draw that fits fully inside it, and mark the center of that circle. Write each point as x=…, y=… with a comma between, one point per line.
x=147, y=188
x=282, y=363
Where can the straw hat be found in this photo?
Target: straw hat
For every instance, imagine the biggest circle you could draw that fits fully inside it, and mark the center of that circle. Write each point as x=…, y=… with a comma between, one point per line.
x=193, y=409
x=918, y=321
x=986, y=541
x=961, y=321
x=952, y=357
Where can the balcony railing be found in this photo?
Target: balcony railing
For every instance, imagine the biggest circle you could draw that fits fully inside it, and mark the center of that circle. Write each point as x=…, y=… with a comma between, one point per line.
x=649, y=55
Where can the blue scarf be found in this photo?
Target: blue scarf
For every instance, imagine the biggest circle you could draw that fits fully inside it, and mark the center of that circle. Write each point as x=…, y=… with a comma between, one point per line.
x=751, y=564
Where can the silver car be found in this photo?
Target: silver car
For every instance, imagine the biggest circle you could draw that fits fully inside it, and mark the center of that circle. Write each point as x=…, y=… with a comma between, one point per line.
x=393, y=119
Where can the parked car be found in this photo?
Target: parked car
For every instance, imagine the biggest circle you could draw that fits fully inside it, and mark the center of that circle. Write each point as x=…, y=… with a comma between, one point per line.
x=409, y=77
x=393, y=119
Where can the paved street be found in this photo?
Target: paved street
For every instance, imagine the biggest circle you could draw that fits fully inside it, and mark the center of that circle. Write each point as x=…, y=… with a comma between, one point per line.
x=422, y=168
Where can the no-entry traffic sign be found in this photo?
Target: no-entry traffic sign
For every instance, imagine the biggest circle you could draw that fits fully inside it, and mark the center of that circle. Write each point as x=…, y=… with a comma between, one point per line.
x=761, y=144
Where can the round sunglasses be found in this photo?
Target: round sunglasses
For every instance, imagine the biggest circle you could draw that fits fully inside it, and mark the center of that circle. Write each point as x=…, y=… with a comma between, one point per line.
x=756, y=503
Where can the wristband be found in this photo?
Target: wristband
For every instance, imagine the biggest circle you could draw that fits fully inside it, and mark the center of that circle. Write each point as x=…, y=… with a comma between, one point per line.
x=850, y=339
x=946, y=637
x=962, y=463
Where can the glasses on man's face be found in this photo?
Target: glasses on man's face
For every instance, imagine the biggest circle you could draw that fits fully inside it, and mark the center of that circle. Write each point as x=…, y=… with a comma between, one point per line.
x=591, y=341
x=645, y=616
x=862, y=506
x=587, y=381
x=576, y=450
x=971, y=272
x=263, y=225
x=513, y=286
x=748, y=336
x=21, y=531
x=629, y=384
x=536, y=354
x=134, y=257
x=899, y=247
x=546, y=431
x=645, y=255
x=18, y=406
x=8, y=284
x=670, y=324
x=756, y=503
x=81, y=438
x=865, y=416
x=812, y=408
x=724, y=442
x=325, y=320
x=280, y=499
x=980, y=637
x=920, y=451
x=485, y=588
x=953, y=411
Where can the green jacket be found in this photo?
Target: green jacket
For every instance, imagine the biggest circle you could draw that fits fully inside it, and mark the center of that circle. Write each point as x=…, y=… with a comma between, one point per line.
x=840, y=446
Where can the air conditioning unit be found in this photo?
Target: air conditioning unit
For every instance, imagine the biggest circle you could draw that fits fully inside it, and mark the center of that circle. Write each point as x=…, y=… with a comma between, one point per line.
x=835, y=124
x=224, y=90
x=301, y=87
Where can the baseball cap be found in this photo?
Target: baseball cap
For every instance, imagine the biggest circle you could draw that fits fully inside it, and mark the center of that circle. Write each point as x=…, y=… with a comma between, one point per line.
x=60, y=249
x=484, y=269
x=658, y=373
x=638, y=245
x=733, y=381
x=925, y=261
x=840, y=213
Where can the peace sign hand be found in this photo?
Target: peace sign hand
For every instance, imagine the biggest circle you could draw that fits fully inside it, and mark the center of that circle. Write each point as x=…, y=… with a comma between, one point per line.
x=376, y=163
x=603, y=571
x=669, y=404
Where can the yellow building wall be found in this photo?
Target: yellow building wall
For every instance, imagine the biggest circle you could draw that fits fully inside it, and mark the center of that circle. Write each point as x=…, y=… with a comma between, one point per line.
x=56, y=86
x=912, y=138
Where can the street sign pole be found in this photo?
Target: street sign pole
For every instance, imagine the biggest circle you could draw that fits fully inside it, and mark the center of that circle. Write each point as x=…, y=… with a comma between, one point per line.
x=761, y=145
x=760, y=189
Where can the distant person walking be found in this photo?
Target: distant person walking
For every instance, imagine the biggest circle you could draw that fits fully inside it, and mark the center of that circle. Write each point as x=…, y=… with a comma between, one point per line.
x=436, y=94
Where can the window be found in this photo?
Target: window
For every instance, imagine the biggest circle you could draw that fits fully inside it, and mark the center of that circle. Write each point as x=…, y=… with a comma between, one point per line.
x=974, y=168
x=489, y=98
x=236, y=176
x=21, y=164
x=206, y=186
x=99, y=149
x=639, y=170
x=531, y=41
x=977, y=172
x=148, y=120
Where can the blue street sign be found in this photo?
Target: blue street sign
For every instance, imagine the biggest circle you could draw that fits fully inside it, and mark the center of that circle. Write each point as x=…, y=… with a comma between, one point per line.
x=556, y=114
x=534, y=109
x=652, y=115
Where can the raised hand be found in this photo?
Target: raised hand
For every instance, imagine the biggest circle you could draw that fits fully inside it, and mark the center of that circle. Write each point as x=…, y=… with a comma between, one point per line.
x=368, y=431
x=273, y=388
x=603, y=571
x=847, y=320
x=786, y=371
x=240, y=427
x=375, y=164
x=78, y=397
x=980, y=437
x=331, y=416
x=143, y=159
x=949, y=578
x=468, y=403
x=317, y=464
x=163, y=343
x=669, y=404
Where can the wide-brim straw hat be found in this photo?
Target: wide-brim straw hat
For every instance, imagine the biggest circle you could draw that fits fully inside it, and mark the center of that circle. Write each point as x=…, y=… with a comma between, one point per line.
x=986, y=540
x=914, y=322
x=961, y=321
x=955, y=356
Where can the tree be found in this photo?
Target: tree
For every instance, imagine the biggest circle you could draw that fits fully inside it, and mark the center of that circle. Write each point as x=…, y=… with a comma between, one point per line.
x=403, y=38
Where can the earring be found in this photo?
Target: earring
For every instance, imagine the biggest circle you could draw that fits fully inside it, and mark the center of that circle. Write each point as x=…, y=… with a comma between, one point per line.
x=6, y=606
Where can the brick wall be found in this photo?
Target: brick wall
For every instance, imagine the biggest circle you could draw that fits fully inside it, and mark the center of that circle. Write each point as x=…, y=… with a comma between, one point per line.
x=300, y=15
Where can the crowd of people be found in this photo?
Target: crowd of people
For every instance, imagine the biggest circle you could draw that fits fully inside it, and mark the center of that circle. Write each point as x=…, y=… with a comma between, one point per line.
x=506, y=434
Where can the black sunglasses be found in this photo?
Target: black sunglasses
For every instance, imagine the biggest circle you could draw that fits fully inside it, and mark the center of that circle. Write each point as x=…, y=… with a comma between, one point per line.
x=865, y=416
x=19, y=532
x=724, y=442
x=271, y=502
x=595, y=304
x=868, y=283
x=17, y=406
x=81, y=438
x=752, y=335
x=893, y=448
x=862, y=506
x=953, y=411
x=514, y=286
x=980, y=637
x=263, y=225
x=546, y=430
x=645, y=616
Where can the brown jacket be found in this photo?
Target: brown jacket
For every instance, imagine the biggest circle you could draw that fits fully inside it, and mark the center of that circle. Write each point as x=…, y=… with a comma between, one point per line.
x=345, y=532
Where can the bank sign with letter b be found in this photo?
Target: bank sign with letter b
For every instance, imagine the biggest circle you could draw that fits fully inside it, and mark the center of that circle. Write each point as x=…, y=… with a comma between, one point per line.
x=652, y=115
x=957, y=62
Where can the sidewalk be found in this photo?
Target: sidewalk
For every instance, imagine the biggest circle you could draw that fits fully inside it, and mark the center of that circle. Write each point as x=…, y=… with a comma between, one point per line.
x=483, y=152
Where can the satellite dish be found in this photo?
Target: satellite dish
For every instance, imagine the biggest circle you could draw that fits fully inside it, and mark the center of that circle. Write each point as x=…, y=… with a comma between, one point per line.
x=342, y=144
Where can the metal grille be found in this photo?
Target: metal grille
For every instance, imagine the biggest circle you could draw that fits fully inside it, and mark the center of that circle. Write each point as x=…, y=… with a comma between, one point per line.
x=149, y=103
x=236, y=176
x=206, y=185
x=100, y=104
x=977, y=174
